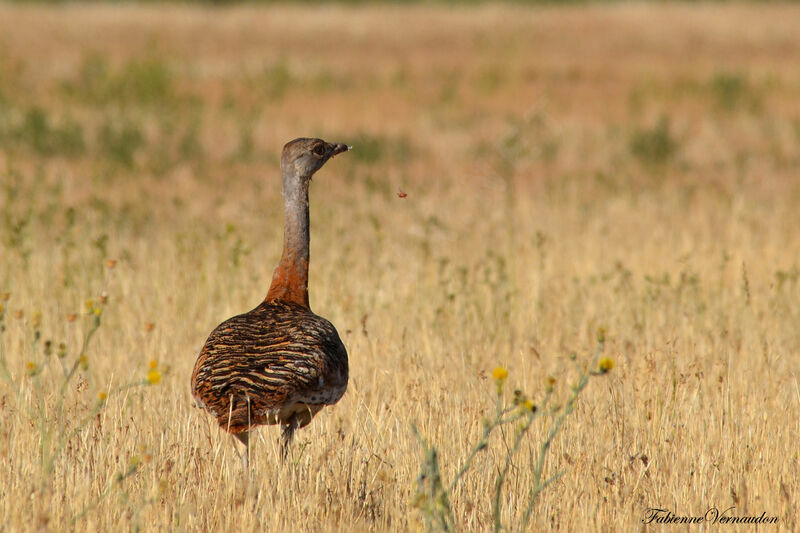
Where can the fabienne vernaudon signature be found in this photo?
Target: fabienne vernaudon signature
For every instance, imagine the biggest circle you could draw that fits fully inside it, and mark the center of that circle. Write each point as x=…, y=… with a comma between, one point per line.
x=656, y=515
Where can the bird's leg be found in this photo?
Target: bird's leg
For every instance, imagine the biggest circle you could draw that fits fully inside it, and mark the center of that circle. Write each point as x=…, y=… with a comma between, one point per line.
x=287, y=432
x=244, y=438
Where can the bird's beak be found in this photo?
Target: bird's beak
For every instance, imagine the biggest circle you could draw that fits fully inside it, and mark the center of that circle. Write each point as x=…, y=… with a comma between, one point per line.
x=338, y=148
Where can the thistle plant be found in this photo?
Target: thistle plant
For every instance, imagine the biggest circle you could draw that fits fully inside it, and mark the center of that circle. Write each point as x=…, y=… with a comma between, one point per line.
x=51, y=370
x=434, y=494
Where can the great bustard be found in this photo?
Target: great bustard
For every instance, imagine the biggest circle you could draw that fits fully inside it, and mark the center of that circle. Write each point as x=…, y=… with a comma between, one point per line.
x=279, y=363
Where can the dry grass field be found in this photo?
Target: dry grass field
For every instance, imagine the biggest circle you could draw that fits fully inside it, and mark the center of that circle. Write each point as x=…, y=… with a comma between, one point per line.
x=632, y=169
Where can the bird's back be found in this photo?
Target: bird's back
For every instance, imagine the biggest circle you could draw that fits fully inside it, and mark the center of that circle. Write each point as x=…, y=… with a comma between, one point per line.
x=276, y=363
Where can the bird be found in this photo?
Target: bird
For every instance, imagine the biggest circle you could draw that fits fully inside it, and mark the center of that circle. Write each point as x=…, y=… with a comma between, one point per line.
x=279, y=363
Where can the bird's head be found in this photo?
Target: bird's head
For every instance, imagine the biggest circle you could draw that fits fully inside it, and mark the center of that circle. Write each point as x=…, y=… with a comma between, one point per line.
x=302, y=157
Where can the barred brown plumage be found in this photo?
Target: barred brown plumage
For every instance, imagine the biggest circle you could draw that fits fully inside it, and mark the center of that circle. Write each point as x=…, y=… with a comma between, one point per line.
x=279, y=363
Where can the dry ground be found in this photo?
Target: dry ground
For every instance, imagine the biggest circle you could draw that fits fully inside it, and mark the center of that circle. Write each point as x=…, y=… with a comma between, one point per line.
x=632, y=167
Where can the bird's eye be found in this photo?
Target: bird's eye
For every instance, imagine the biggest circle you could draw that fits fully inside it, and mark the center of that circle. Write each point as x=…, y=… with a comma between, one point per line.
x=319, y=150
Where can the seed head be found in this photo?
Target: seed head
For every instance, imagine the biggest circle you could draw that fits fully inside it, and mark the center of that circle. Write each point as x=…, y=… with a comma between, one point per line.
x=518, y=397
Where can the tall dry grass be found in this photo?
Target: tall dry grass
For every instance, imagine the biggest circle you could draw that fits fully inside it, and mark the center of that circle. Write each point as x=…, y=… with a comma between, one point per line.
x=632, y=168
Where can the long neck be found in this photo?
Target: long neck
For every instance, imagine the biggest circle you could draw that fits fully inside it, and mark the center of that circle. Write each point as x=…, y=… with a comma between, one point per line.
x=290, y=280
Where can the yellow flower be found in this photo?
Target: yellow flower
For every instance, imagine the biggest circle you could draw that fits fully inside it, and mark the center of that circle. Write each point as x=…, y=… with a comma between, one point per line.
x=500, y=373
x=606, y=364
x=153, y=364
x=529, y=405
x=154, y=377
x=89, y=304
x=97, y=311
x=102, y=396
x=84, y=362
x=31, y=367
